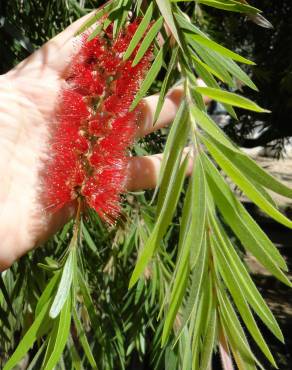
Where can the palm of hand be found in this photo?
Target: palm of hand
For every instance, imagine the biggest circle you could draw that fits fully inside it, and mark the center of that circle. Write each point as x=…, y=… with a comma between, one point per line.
x=29, y=94
x=28, y=98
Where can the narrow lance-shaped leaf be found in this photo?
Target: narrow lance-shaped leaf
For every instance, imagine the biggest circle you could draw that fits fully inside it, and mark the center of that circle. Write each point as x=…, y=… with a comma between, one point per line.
x=206, y=42
x=254, y=171
x=233, y=329
x=150, y=77
x=172, y=153
x=47, y=293
x=28, y=340
x=229, y=5
x=209, y=340
x=166, y=11
x=238, y=296
x=103, y=10
x=83, y=340
x=202, y=69
x=244, y=184
x=166, y=83
x=192, y=239
x=198, y=274
x=147, y=41
x=209, y=126
x=242, y=224
x=58, y=337
x=162, y=223
x=139, y=32
x=231, y=98
x=250, y=291
x=209, y=59
x=65, y=284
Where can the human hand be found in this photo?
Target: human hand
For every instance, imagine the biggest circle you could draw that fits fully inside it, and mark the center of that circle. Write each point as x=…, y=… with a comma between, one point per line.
x=28, y=98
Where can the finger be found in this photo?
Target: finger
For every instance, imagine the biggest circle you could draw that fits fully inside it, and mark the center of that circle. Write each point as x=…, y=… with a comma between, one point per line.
x=147, y=110
x=143, y=172
x=168, y=112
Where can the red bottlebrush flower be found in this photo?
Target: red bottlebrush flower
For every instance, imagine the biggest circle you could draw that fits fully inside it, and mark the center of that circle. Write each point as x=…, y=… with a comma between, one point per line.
x=95, y=128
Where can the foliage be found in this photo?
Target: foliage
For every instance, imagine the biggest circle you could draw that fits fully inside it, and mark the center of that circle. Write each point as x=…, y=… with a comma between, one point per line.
x=73, y=308
x=271, y=51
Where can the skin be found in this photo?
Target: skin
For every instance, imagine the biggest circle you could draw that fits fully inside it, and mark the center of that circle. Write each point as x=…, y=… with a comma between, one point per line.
x=28, y=97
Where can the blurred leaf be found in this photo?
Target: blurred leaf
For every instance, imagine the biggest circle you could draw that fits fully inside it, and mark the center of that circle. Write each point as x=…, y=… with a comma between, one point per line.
x=28, y=340
x=83, y=340
x=229, y=5
x=47, y=293
x=6, y=295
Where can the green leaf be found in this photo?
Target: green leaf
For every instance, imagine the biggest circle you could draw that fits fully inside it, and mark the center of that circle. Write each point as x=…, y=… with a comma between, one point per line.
x=209, y=340
x=34, y=362
x=193, y=238
x=119, y=15
x=243, y=225
x=206, y=42
x=166, y=11
x=4, y=318
x=83, y=340
x=28, y=340
x=208, y=57
x=234, y=330
x=249, y=289
x=101, y=26
x=234, y=69
x=255, y=172
x=197, y=277
x=229, y=5
x=103, y=10
x=65, y=284
x=47, y=293
x=172, y=154
x=203, y=70
x=244, y=183
x=211, y=128
x=166, y=83
x=148, y=39
x=150, y=77
x=162, y=223
x=200, y=321
x=139, y=32
x=58, y=337
x=238, y=295
x=6, y=295
x=88, y=238
x=224, y=66
x=88, y=303
x=230, y=98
